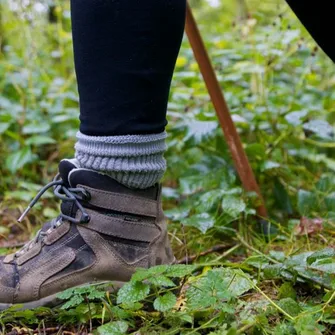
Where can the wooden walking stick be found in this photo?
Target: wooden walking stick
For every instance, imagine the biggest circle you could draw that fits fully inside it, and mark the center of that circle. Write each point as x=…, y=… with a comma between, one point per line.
x=240, y=158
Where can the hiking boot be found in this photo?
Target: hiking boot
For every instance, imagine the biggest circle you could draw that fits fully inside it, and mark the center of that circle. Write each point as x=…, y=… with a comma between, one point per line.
x=104, y=232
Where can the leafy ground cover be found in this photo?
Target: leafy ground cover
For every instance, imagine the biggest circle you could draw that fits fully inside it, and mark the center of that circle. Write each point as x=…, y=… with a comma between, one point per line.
x=233, y=276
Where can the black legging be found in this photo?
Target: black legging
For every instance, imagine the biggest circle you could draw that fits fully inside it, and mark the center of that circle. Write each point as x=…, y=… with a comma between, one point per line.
x=125, y=52
x=317, y=17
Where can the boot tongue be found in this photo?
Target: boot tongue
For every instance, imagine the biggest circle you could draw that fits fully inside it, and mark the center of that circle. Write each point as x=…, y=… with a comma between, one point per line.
x=65, y=167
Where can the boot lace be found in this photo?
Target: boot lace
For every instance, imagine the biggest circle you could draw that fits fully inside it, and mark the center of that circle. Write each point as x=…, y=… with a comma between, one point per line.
x=62, y=192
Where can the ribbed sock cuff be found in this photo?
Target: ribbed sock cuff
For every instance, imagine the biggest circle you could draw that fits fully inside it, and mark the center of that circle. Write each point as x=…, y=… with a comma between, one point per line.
x=133, y=160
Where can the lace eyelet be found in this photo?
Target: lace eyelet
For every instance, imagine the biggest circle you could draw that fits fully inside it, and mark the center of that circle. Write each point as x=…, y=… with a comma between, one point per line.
x=86, y=195
x=57, y=224
x=85, y=218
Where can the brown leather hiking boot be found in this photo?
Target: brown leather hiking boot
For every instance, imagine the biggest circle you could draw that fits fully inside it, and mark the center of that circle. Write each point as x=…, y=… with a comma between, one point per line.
x=105, y=231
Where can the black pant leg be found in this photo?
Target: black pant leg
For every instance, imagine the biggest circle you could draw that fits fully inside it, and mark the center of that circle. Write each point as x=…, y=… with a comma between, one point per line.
x=317, y=17
x=125, y=53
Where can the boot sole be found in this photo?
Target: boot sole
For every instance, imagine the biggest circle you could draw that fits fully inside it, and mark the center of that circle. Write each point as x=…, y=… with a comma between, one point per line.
x=54, y=301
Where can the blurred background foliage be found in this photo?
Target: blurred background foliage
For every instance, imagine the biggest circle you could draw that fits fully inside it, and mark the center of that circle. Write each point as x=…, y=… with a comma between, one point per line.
x=278, y=84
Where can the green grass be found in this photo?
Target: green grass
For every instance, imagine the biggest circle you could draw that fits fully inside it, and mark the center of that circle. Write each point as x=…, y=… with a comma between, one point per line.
x=243, y=280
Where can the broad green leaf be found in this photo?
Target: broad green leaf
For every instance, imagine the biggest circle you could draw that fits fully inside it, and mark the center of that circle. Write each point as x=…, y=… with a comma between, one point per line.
x=95, y=293
x=179, y=270
x=256, y=150
x=307, y=324
x=162, y=272
x=5, y=103
x=185, y=75
x=170, y=193
x=277, y=255
x=296, y=118
x=18, y=159
x=36, y=128
x=132, y=306
x=237, y=281
x=272, y=271
x=286, y=290
x=281, y=196
x=326, y=265
x=191, y=184
x=233, y=206
x=155, y=279
x=307, y=201
x=74, y=301
x=206, y=294
x=217, y=286
x=3, y=127
x=142, y=274
x=133, y=291
x=290, y=306
x=323, y=278
x=76, y=296
x=120, y=313
x=39, y=140
x=198, y=131
x=19, y=195
x=284, y=329
x=249, y=67
x=50, y=212
x=177, y=213
x=258, y=262
x=210, y=200
x=161, y=281
x=203, y=222
x=298, y=260
x=326, y=183
x=238, y=119
x=165, y=302
x=113, y=328
x=63, y=118
x=67, y=294
x=315, y=158
x=320, y=128
x=185, y=317
x=321, y=254
x=269, y=165
x=330, y=202
x=290, y=35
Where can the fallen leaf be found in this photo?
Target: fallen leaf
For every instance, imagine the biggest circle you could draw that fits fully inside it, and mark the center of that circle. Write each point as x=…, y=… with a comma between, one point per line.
x=308, y=226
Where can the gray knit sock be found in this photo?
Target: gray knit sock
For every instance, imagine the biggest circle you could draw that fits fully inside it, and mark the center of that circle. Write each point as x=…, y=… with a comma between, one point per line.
x=135, y=161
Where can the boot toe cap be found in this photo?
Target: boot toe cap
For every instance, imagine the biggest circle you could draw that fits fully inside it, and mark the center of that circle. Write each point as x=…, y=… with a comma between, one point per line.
x=7, y=285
